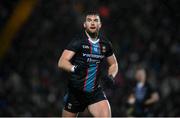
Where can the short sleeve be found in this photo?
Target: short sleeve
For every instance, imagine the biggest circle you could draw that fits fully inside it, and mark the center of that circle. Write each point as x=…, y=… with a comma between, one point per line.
x=74, y=45
x=109, y=51
x=151, y=89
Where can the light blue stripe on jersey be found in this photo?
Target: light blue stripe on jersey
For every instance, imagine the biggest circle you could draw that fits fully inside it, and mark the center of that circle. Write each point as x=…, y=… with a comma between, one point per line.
x=91, y=77
x=92, y=69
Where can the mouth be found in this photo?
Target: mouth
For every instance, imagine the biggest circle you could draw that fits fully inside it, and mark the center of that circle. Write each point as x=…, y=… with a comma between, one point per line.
x=92, y=27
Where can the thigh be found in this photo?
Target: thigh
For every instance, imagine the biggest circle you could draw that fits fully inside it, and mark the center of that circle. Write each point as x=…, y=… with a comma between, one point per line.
x=68, y=114
x=100, y=109
x=73, y=104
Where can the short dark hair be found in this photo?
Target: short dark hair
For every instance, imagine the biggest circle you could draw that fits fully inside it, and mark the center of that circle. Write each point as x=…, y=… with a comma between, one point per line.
x=90, y=12
x=142, y=67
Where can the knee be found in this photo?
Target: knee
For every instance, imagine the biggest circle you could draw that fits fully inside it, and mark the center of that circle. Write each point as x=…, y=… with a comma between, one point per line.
x=105, y=113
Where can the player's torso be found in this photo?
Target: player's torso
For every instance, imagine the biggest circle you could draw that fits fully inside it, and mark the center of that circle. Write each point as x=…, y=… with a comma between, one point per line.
x=142, y=93
x=91, y=54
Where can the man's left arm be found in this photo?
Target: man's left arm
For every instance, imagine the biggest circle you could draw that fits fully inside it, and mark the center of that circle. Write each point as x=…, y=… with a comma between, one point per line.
x=153, y=98
x=113, y=66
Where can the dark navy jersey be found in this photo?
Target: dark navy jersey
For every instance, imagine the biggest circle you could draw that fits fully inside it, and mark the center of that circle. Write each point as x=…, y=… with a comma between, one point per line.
x=91, y=54
x=142, y=94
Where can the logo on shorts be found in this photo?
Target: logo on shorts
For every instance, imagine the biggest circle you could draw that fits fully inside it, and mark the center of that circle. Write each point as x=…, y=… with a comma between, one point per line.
x=69, y=105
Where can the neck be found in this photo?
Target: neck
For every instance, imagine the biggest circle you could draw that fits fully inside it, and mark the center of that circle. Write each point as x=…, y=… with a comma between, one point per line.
x=92, y=36
x=142, y=81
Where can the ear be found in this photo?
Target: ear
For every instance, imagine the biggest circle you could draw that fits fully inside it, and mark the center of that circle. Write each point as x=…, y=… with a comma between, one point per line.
x=84, y=25
x=100, y=24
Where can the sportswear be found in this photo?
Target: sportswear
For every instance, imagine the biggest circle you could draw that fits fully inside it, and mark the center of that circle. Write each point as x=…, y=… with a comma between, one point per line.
x=87, y=59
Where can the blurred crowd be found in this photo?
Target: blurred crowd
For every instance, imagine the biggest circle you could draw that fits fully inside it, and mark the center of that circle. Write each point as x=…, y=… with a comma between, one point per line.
x=142, y=32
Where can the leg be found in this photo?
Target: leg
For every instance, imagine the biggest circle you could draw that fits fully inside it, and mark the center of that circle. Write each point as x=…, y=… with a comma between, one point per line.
x=100, y=109
x=68, y=114
x=73, y=104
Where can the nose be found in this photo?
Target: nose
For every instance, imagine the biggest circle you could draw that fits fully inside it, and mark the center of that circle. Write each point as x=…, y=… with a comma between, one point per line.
x=92, y=23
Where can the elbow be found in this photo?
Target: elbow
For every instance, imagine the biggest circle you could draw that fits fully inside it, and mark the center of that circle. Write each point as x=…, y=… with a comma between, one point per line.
x=116, y=66
x=60, y=63
x=156, y=97
x=115, y=69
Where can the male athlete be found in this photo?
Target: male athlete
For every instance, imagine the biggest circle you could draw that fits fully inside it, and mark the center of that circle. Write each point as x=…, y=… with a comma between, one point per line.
x=144, y=96
x=82, y=58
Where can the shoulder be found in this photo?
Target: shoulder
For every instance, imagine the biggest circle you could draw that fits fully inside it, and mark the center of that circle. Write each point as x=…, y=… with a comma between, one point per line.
x=148, y=84
x=150, y=87
x=75, y=43
x=105, y=40
x=79, y=37
x=76, y=40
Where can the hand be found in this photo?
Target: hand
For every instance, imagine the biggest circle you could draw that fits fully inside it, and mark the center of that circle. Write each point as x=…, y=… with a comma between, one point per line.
x=80, y=67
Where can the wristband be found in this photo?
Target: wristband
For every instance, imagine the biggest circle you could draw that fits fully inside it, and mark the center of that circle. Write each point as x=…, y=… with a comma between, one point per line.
x=73, y=69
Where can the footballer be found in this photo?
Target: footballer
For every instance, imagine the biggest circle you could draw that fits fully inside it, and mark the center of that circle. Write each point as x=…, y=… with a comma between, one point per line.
x=82, y=58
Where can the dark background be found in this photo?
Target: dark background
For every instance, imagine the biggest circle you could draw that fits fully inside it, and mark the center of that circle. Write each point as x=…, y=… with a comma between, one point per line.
x=142, y=32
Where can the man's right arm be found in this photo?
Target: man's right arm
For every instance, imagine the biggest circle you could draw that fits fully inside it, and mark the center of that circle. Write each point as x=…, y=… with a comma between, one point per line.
x=64, y=61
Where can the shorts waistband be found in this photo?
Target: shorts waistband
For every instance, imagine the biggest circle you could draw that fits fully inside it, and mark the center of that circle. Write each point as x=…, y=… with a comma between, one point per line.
x=75, y=90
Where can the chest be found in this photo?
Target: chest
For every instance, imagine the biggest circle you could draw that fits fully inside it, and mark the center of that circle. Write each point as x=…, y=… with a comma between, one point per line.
x=93, y=52
x=141, y=92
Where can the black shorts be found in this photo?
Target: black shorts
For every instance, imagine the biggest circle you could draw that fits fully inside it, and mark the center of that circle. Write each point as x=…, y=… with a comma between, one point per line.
x=76, y=101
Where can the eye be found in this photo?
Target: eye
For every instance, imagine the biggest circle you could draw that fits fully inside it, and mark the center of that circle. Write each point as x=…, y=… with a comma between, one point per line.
x=96, y=20
x=89, y=20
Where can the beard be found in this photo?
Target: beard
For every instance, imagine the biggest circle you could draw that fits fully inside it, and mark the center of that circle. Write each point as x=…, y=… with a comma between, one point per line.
x=92, y=34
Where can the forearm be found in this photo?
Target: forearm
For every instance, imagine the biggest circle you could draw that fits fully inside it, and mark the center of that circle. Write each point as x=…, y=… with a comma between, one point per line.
x=113, y=69
x=149, y=101
x=154, y=98
x=65, y=65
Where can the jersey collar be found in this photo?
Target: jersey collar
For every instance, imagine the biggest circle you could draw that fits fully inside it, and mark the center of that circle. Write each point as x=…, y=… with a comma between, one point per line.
x=94, y=42
x=90, y=39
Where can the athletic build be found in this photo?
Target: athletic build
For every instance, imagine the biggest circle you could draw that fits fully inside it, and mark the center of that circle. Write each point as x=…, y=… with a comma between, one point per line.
x=82, y=58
